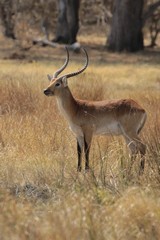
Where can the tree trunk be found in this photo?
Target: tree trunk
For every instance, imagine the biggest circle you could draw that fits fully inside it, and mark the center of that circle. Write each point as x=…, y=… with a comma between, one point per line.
x=73, y=19
x=7, y=18
x=62, y=33
x=68, y=21
x=126, y=29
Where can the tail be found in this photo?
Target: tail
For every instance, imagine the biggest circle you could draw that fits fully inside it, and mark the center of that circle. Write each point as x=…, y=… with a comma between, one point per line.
x=142, y=123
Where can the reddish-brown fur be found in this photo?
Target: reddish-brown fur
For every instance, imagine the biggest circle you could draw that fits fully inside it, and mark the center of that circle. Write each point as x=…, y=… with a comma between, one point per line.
x=87, y=118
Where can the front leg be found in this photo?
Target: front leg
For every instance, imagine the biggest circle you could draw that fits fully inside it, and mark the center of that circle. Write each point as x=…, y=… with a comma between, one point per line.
x=87, y=144
x=86, y=149
x=80, y=144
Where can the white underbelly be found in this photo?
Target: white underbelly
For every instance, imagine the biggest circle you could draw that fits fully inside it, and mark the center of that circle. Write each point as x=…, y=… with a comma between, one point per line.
x=109, y=129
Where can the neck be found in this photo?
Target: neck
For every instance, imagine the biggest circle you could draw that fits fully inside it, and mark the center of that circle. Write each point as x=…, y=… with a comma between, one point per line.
x=66, y=103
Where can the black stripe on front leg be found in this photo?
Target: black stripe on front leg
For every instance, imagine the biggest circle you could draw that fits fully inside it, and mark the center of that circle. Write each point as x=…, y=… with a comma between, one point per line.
x=79, y=151
x=87, y=147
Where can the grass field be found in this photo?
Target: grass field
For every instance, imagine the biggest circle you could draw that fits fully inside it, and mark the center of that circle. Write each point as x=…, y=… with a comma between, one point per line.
x=41, y=194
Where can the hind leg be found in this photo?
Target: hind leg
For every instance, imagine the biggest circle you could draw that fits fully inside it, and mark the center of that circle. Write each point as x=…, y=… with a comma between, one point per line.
x=136, y=146
x=133, y=149
x=142, y=150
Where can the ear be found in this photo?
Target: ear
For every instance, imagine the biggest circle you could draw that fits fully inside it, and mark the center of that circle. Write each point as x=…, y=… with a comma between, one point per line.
x=49, y=77
x=64, y=81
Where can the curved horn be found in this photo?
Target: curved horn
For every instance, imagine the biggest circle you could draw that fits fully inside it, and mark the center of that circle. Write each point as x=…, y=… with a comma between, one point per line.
x=81, y=70
x=64, y=65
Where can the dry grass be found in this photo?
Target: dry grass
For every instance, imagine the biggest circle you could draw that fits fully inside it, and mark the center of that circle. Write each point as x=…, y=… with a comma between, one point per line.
x=41, y=194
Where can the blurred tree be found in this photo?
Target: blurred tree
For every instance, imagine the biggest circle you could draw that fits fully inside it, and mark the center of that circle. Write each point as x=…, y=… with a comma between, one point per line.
x=7, y=12
x=151, y=20
x=127, y=24
x=123, y=19
x=126, y=27
x=68, y=21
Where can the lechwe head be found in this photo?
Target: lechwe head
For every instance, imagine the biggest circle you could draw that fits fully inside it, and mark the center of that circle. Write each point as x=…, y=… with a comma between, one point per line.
x=87, y=118
x=58, y=84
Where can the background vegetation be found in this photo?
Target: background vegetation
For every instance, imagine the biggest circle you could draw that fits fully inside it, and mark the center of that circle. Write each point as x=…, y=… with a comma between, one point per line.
x=41, y=194
x=59, y=21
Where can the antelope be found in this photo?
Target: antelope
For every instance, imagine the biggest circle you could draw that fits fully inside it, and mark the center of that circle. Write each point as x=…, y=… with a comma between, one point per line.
x=88, y=118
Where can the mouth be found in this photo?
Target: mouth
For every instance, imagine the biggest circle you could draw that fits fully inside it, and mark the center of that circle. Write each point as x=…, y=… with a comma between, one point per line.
x=48, y=93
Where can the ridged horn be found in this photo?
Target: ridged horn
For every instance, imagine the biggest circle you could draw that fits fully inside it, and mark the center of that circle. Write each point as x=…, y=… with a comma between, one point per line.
x=81, y=70
x=64, y=65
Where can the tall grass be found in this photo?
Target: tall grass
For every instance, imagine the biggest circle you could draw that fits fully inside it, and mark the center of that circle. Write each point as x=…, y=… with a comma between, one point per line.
x=41, y=194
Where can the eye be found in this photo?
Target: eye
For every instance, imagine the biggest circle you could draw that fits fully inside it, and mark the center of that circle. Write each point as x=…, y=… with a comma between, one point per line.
x=57, y=84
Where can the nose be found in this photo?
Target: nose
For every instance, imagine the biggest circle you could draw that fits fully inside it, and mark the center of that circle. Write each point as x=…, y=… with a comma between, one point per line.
x=46, y=92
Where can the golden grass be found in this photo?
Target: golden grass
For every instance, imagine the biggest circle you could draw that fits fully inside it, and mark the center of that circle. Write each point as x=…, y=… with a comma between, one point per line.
x=41, y=194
